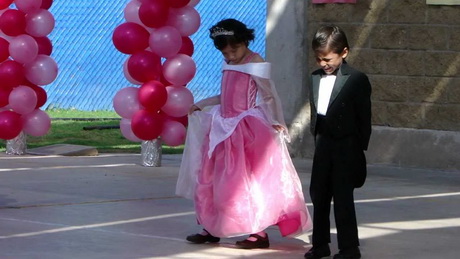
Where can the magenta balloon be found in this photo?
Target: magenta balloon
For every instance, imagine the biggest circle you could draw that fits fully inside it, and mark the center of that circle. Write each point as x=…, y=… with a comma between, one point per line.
x=42, y=71
x=39, y=23
x=144, y=66
x=127, y=132
x=5, y=4
x=152, y=95
x=37, y=123
x=13, y=22
x=165, y=41
x=4, y=52
x=127, y=75
x=179, y=70
x=178, y=3
x=130, y=37
x=173, y=133
x=46, y=4
x=10, y=124
x=11, y=74
x=186, y=19
x=4, y=95
x=44, y=45
x=147, y=125
x=23, y=99
x=131, y=12
x=28, y=5
x=187, y=47
x=153, y=13
x=179, y=101
x=23, y=48
x=126, y=102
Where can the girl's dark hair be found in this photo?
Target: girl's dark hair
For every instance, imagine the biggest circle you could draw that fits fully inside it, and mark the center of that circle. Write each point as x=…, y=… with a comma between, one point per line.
x=330, y=38
x=237, y=33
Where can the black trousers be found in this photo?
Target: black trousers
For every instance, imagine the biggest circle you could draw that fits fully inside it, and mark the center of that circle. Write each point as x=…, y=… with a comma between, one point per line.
x=334, y=165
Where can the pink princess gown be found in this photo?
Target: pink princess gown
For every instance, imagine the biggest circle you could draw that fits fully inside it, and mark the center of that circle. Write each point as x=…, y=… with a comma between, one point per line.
x=236, y=167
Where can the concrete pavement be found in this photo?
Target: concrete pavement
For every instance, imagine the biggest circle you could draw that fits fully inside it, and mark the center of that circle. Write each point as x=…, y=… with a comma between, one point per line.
x=109, y=206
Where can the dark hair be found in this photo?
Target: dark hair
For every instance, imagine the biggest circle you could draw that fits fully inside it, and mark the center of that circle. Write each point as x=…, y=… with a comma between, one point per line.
x=237, y=33
x=330, y=38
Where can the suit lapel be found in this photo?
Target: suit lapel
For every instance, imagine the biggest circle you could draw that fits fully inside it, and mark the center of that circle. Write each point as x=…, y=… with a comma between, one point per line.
x=340, y=81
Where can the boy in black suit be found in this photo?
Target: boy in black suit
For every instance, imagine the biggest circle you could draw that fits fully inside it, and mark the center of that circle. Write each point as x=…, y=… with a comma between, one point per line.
x=341, y=124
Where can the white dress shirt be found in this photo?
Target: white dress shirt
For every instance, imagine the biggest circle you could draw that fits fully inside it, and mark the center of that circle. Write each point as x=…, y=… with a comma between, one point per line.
x=326, y=84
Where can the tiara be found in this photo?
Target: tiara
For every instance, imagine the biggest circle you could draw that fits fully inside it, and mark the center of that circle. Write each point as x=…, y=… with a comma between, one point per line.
x=218, y=31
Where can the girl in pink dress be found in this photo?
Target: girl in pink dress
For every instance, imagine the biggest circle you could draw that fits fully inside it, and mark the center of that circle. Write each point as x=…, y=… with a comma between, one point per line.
x=236, y=165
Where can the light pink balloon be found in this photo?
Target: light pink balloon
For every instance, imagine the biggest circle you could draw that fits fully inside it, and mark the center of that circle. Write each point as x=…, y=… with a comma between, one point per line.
x=173, y=133
x=193, y=3
x=37, y=123
x=126, y=131
x=186, y=19
x=23, y=48
x=127, y=75
x=39, y=23
x=28, y=5
x=179, y=70
x=131, y=12
x=126, y=102
x=23, y=99
x=179, y=101
x=41, y=71
x=165, y=41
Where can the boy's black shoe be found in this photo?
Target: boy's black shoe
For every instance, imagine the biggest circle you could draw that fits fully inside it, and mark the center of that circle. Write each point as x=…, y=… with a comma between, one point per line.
x=349, y=253
x=318, y=252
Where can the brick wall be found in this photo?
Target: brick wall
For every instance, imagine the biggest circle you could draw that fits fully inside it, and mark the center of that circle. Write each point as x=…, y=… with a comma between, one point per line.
x=411, y=52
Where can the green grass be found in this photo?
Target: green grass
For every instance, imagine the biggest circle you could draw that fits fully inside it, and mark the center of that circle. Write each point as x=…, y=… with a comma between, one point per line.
x=71, y=131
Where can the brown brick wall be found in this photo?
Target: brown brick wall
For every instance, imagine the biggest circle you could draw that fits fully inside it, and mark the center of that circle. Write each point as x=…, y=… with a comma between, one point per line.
x=411, y=52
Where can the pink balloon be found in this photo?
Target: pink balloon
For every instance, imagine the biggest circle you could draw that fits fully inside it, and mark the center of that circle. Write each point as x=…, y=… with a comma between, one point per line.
x=23, y=48
x=126, y=102
x=37, y=123
x=152, y=95
x=186, y=19
x=127, y=75
x=11, y=74
x=127, y=132
x=173, y=133
x=147, y=125
x=4, y=52
x=42, y=71
x=165, y=41
x=144, y=66
x=23, y=99
x=131, y=12
x=28, y=5
x=193, y=3
x=153, y=13
x=179, y=70
x=39, y=23
x=10, y=124
x=179, y=101
x=13, y=22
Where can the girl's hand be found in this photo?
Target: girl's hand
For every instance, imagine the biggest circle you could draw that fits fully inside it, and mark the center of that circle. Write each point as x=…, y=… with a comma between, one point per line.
x=278, y=128
x=193, y=108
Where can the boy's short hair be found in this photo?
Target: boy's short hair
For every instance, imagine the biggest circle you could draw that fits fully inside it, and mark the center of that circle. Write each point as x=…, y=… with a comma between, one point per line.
x=330, y=38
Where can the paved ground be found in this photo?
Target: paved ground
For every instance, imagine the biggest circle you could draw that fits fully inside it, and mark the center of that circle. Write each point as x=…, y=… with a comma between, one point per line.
x=109, y=206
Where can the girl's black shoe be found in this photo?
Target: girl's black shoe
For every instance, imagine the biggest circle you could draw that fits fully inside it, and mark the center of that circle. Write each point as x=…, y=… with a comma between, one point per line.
x=261, y=242
x=200, y=239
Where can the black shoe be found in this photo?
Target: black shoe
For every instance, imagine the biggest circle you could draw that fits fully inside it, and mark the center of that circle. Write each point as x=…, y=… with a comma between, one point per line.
x=200, y=239
x=349, y=253
x=318, y=252
x=261, y=242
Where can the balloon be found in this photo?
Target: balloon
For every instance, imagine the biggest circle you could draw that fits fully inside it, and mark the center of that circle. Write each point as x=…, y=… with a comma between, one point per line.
x=28, y=5
x=126, y=131
x=13, y=22
x=179, y=101
x=23, y=99
x=193, y=3
x=10, y=124
x=131, y=12
x=11, y=74
x=179, y=70
x=4, y=95
x=39, y=23
x=37, y=123
x=173, y=133
x=165, y=41
x=46, y=4
x=42, y=96
x=178, y=3
x=42, y=71
x=126, y=102
x=23, y=48
x=152, y=95
x=153, y=13
x=144, y=66
x=186, y=20
x=130, y=37
x=187, y=47
x=127, y=75
x=183, y=120
x=147, y=125
x=4, y=52
x=5, y=3
x=45, y=46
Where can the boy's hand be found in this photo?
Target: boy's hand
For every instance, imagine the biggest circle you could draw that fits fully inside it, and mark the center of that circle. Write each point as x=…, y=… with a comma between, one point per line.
x=278, y=128
x=193, y=108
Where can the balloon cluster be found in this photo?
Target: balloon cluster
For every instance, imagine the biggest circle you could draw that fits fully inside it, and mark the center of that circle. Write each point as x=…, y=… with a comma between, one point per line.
x=25, y=66
x=156, y=36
